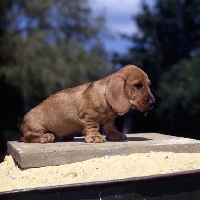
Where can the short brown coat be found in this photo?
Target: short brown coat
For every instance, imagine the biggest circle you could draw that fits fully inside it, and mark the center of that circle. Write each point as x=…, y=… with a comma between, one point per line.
x=84, y=108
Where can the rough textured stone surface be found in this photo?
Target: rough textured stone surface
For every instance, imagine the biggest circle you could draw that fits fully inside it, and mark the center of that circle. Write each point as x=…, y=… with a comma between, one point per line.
x=29, y=155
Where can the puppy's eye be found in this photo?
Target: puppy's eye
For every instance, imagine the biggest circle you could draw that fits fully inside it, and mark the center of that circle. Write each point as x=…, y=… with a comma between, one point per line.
x=138, y=85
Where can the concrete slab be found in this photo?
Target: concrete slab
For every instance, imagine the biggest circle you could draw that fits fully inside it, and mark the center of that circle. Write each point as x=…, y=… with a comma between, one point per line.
x=29, y=155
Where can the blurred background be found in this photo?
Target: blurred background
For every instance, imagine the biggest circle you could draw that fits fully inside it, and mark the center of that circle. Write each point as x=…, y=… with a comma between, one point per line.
x=46, y=46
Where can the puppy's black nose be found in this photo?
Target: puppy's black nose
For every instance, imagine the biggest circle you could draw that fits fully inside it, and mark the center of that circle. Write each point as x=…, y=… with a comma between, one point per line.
x=151, y=103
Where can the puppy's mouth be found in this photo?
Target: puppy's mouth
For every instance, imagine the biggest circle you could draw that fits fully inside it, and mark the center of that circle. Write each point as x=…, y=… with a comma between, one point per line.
x=139, y=107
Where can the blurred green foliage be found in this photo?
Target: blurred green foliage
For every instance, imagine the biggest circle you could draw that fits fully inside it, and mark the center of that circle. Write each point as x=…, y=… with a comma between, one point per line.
x=168, y=32
x=180, y=98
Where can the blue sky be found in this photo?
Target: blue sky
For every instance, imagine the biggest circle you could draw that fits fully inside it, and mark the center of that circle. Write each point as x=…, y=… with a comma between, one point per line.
x=118, y=20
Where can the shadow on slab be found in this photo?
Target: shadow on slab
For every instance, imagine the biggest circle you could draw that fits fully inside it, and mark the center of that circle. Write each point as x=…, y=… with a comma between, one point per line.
x=138, y=139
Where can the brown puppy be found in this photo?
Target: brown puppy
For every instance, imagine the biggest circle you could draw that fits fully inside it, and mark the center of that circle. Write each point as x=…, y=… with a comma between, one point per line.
x=84, y=108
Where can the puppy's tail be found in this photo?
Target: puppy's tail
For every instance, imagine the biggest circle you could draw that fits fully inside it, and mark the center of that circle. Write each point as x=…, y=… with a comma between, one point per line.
x=21, y=139
x=21, y=130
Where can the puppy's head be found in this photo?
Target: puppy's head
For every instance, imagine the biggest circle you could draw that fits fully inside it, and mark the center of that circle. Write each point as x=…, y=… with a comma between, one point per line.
x=129, y=87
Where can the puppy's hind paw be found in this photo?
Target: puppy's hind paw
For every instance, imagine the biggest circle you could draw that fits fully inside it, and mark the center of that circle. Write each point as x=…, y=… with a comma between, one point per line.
x=47, y=138
x=95, y=138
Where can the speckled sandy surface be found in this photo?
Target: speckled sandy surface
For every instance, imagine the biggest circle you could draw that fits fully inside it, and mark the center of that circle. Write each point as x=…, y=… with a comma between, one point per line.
x=96, y=169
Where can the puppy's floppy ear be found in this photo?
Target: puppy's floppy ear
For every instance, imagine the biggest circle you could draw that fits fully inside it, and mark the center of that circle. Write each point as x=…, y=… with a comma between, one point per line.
x=115, y=94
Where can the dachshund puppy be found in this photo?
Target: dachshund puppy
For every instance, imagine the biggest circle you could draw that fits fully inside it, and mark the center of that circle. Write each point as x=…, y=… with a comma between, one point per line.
x=87, y=107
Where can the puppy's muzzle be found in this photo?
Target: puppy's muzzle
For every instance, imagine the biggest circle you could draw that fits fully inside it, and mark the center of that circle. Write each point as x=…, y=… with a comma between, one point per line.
x=151, y=104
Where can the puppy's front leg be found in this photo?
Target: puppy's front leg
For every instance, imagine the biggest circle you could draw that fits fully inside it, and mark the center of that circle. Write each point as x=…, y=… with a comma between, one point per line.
x=91, y=127
x=111, y=132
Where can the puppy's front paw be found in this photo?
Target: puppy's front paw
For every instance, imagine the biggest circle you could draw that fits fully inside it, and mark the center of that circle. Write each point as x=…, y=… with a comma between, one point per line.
x=95, y=138
x=116, y=136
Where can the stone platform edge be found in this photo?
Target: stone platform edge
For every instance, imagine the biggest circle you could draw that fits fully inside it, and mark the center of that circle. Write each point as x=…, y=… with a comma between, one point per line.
x=41, y=155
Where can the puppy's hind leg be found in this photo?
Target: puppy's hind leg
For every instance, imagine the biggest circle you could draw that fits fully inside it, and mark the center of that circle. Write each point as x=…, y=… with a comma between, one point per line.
x=35, y=136
x=32, y=137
